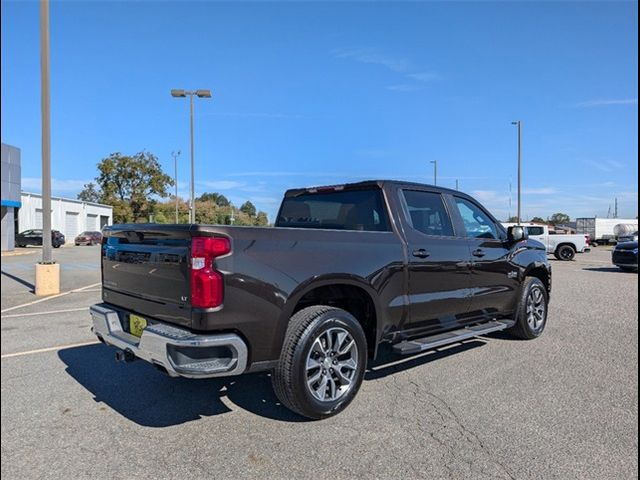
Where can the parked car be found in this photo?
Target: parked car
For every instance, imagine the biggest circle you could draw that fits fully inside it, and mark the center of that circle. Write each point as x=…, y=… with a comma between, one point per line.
x=601, y=230
x=562, y=246
x=625, y=256
x=88, y=238
x=34, y=237
x=629, y=238
x=346, y=269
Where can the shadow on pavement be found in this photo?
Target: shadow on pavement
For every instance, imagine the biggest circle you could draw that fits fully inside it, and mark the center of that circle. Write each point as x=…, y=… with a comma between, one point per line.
x=19, y=280
x=608, y=270
x=389, y=362
x=150, y=398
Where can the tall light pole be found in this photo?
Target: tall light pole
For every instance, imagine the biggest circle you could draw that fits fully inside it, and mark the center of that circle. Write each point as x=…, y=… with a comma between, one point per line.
x=47, y=272
x=435, y=171
x=175, y=156
x=518, y=123
x=190, y=94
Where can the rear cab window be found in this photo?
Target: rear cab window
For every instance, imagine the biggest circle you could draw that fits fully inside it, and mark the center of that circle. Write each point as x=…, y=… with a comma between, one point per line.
x=335, y=209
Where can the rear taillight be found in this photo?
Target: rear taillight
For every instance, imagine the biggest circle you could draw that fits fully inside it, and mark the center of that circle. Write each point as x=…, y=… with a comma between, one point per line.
x=587, y=239
x=206, y=281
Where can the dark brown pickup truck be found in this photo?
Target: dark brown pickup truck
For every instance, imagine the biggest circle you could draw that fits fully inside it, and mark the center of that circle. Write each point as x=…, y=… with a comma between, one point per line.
x=345, y=269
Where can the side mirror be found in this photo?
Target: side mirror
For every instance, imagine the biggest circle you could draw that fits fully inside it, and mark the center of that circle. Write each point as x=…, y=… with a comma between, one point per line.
x=517, y=233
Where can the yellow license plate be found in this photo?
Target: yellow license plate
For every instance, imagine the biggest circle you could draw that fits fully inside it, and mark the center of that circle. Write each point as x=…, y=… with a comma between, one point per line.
x=136, y=325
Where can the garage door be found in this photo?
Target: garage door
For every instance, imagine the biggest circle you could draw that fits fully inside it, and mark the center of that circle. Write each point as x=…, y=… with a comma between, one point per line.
x=71, y=225
x=92, y=222
x=38, y=219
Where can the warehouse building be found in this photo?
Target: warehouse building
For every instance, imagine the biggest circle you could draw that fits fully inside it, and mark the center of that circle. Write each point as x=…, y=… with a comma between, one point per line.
x=70, y=217
x=23, y=211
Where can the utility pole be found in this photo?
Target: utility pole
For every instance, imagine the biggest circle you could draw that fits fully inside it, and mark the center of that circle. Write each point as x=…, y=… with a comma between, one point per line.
x=519, y=124
x=457, y=184
x=435, y=171
x=615, y=210
x=47, y=271
x=175, y=156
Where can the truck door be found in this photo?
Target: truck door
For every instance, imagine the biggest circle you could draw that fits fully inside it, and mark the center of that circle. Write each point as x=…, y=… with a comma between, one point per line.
x=438, y=263
x=494, y=279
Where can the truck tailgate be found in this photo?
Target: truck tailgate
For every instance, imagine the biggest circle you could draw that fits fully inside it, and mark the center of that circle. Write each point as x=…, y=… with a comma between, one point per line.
x=148, y=263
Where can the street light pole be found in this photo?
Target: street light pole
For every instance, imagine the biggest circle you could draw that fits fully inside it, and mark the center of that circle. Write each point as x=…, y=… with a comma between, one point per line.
x=518, y=123
x=201, y=94
x=435, y=171
x=192, y=216
x=47, y=271
x=175, y=156
x=46, y=133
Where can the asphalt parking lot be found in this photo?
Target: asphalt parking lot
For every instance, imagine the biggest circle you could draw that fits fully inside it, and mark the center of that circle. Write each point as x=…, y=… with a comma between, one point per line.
x=564, y=406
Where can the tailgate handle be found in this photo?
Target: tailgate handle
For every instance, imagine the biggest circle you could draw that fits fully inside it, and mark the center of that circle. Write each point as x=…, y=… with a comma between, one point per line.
x=421, y=253
x=478, y=253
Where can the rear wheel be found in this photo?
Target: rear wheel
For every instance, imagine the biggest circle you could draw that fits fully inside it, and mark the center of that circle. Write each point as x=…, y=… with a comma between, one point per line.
x=322, y=362
x=531, y=317
x=565, y=253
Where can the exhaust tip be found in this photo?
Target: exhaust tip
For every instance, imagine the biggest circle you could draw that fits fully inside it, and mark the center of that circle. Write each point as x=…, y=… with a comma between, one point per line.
x=126, y=356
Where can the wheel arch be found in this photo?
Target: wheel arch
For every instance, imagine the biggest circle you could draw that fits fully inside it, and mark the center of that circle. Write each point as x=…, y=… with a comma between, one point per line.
x=351, y=293
x=541, y=272
x=568, y=244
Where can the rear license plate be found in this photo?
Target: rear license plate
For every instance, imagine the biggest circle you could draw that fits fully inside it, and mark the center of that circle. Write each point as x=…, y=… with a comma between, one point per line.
x=136, y=325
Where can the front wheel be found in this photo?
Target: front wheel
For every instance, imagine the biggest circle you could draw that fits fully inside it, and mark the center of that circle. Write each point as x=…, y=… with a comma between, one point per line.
x=531, y=318
x=322, y=362
x=565, y=253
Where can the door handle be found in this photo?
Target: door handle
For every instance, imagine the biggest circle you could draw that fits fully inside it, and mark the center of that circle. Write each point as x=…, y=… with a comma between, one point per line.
x=478, y=253
x=421, y=253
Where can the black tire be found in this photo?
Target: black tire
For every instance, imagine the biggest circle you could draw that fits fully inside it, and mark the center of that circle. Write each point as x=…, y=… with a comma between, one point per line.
x=565, y=253
x=56, y=245
x=523, y=328
x=290, y=376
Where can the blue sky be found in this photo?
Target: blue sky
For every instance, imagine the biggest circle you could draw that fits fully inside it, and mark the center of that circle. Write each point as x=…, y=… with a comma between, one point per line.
x=315, y=93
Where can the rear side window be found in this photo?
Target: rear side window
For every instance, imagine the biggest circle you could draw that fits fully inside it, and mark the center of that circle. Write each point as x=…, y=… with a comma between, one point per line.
x=427, y=213
x=339, y=210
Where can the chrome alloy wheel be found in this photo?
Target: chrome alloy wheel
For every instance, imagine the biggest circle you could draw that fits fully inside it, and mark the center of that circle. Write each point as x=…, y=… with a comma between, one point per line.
x=332, y=364
x=536, y=309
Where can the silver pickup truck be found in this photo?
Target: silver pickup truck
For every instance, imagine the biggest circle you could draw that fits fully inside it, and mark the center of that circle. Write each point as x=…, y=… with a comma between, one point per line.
x=564, y=247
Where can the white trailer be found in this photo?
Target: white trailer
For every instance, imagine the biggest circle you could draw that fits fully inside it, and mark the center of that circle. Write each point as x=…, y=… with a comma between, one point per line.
x=601, y=230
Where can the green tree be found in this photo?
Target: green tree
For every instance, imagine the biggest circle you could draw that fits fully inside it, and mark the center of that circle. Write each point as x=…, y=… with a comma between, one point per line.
x=512, y=219
x=559, y=219
x=261, y=219
x=90, y=194
x=538, y=220
x=248, y=208
x=130, y=183
x=217, y=198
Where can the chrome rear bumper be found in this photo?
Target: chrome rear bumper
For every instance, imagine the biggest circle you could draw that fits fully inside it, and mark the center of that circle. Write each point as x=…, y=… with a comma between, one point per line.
x=180, y=352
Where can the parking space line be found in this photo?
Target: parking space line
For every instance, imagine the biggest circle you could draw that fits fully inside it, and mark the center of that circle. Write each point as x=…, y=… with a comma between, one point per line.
x=49, y=349
x=15, y=315
x=81, y=289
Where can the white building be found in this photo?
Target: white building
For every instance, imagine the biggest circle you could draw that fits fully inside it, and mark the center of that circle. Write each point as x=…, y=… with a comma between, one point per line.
x=69, y=216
